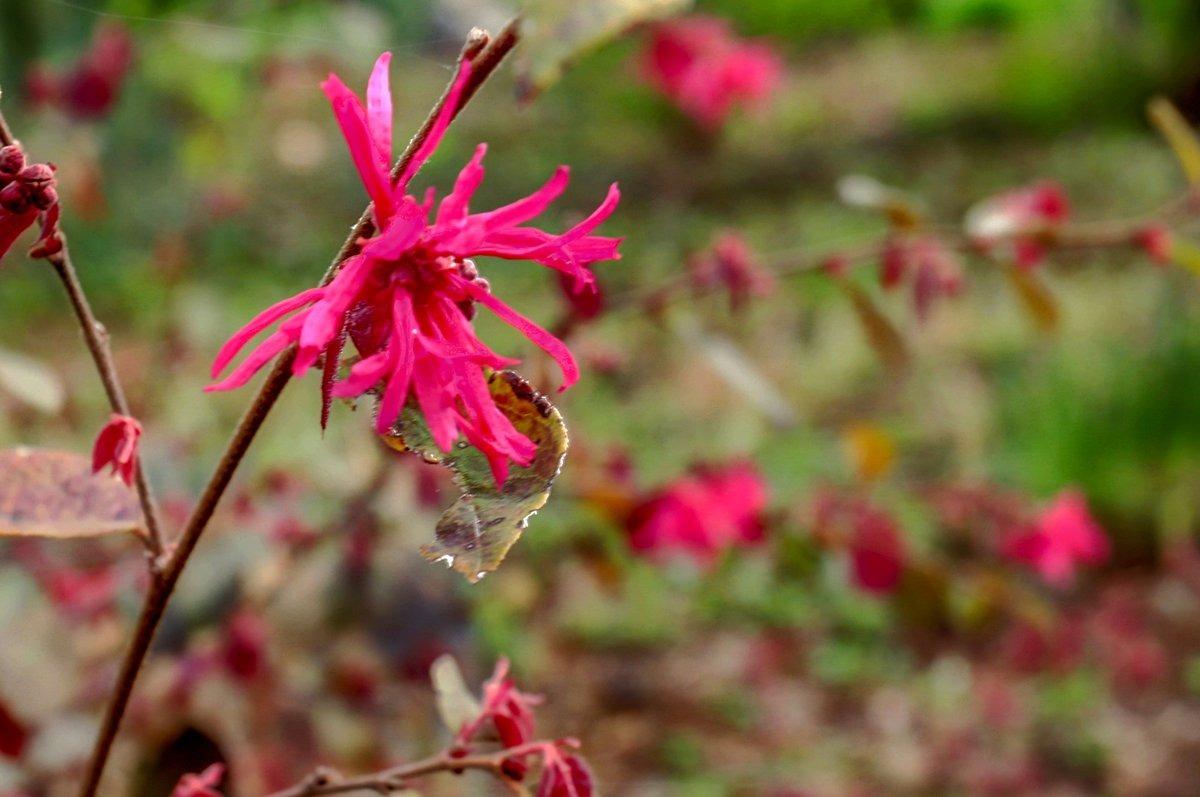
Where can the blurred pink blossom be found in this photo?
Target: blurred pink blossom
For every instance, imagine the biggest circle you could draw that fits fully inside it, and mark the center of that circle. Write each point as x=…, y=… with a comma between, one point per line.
x=202, y=785
x=730, y=264
x=701, y=65
x=1063, y=537
x=702, y=514
x=93, y=85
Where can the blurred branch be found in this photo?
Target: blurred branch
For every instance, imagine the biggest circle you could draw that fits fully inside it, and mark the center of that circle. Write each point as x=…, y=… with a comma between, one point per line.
x=1081, y=237
x=326, y=781
x=96, y=336
x=485, y=55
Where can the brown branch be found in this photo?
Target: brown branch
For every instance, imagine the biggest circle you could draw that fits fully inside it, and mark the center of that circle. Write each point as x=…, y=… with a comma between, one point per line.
x=326, y=781
x=485, y=57
x=97, y=339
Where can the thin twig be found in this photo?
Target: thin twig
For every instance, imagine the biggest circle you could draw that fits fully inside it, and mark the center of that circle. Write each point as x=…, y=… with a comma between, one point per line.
x=97, y=339
x=485, y=57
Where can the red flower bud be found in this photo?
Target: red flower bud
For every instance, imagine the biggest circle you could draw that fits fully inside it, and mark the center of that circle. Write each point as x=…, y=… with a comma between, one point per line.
x=36, y=175
x=14, y=198
x=12, y=160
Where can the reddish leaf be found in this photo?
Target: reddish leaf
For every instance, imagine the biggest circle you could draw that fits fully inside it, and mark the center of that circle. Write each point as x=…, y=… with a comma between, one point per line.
x=55, y=494
x=1036, y=299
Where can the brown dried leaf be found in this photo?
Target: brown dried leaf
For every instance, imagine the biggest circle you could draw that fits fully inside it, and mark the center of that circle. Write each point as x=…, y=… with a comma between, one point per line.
x=1037, y=300
x=55, y=494
x=883, y=336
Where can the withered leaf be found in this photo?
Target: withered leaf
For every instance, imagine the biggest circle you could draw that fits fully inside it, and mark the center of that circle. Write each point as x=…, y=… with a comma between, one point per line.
x=556, y=32
x=55, y=494
x=883, y=336
x=475, y=534
x=1037, y=300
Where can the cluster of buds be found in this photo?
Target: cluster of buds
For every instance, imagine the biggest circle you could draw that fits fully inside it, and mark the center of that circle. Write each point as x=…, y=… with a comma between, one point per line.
x=27, y=190
x=24, y=186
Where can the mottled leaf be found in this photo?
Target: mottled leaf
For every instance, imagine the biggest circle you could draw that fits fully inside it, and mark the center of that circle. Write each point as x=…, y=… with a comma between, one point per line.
x=455, y=703
x=1036, y=299
x=1179, y=134
x=55, y=494
x=883, y=336
x=556, y=32
x=31, y=382
x=477, y=531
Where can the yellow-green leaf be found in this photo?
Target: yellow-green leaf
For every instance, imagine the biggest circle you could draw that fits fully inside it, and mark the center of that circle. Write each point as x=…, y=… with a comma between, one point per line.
x=475, y=534
x=55, y=494
x=1186, y=254
x=1179, y=134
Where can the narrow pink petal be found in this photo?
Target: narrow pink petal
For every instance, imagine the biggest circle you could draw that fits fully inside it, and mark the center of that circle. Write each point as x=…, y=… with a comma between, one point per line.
x=259, y=323
x=525, y=209
x=536, y=335
x=352, y=118
x=454, y=206
x=364, y=375
x=396, y=391
x=449, y=109
x=265, y=352
x=11, y=227
x=379, y=110
x=401, y=233
x=595, y=219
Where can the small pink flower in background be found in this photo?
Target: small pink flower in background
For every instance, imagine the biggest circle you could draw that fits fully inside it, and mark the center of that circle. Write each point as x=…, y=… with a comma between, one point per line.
x=1021, y=218
x=1155, y=241
x=731, y=264
x=27, y=192
x=13, y=734
x=936, y=270
x=202, y=785
x=877, y=552
x=938, y=273
x=82, y=593
x=705, y=69
x=91, y=88
x=585, y=301
x=1061, y=539
x=407, y=298
x=564, y=775
x=702, y=514
x=508, y=709
x=243, y=648
x=117, y=447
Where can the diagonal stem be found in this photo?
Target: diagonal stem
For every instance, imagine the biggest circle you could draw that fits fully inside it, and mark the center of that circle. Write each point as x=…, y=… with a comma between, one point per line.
x=485, y=56
x=97, y=339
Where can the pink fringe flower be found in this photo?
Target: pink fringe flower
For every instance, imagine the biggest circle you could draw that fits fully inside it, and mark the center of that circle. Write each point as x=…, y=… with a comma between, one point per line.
x=731, y=264
x=91, y=88
x=202, y=785
x=1063, y=537
x=507, y=708
x=1021, y=218
x=702, y=514
x=877, y=554
x=705, y=69
x=407, y=298
x=117, y=447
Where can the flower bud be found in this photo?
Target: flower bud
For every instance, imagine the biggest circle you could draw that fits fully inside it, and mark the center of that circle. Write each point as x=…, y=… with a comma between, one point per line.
x=36, y=175
x=44, y=197
x=12, y=160
x=14, y=198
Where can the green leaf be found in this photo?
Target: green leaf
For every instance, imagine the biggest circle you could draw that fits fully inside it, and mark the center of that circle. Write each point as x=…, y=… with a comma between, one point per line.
x=556, y=32
x=475, y=534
